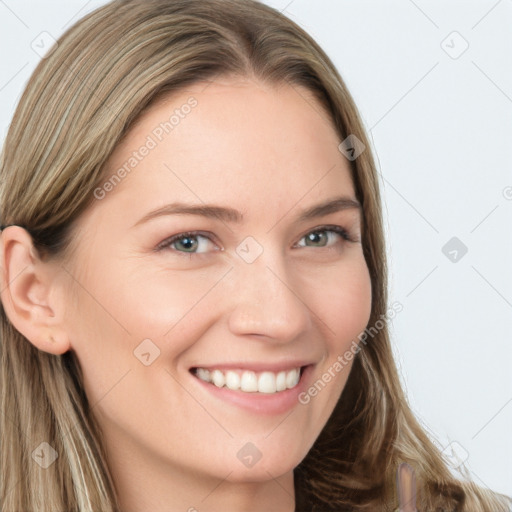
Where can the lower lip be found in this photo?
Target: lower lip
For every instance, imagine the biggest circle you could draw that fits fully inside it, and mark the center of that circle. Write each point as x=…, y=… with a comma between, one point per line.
x=261, y=403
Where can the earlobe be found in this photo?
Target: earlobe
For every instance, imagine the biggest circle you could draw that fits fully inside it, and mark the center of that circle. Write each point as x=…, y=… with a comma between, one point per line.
x=28, y=292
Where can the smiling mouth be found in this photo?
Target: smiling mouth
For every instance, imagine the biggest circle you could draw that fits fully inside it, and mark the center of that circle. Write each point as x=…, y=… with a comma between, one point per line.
x=248, y=381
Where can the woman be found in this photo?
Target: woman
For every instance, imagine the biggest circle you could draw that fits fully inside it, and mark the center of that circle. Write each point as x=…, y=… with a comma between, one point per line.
x=170, y=339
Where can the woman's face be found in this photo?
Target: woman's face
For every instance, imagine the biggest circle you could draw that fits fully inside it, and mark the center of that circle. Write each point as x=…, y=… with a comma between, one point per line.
x=262, y=292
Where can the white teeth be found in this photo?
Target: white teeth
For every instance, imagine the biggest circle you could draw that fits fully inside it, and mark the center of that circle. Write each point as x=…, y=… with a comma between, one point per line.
x=281, y=381
x=218, y=378
x=292, y=378
x=232, y=380
x=250, y=382
x=203, y=374
x=267, y=382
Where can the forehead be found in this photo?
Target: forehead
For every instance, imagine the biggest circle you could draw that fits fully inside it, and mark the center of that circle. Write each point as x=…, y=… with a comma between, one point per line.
x=235, y=141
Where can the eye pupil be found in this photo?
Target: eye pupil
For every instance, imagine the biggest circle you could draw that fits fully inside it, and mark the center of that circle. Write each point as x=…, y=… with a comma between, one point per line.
x=313, y=237
x=188, y=243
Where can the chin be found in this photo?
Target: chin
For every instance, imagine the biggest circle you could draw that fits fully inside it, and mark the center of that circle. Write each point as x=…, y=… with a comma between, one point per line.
x=274, y=465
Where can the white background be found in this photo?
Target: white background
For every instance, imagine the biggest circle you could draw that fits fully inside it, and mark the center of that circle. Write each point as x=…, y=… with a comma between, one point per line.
x=441, y=128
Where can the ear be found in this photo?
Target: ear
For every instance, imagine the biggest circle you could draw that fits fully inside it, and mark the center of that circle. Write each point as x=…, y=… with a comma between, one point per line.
x=32, y=292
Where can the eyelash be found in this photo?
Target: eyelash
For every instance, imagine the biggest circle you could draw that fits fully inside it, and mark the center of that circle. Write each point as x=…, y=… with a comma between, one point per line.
x=176, y=238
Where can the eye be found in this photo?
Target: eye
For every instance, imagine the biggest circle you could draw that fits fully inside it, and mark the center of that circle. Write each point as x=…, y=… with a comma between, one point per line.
x=195, y=242
x=318, y=236
x=192, y=242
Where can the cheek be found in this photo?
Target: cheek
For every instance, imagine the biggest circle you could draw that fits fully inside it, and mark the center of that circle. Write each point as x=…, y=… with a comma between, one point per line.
x=144, y=297
x=172, y=308
x=343, y=303
x=122, y=307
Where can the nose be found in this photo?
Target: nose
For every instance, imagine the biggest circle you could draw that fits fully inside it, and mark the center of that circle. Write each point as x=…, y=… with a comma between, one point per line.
x=265, y=301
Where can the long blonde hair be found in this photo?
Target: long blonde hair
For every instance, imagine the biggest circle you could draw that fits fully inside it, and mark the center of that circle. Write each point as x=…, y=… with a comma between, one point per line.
x=79, y=103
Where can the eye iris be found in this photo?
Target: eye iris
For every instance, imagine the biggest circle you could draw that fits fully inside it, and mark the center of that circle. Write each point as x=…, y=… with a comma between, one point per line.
x=188, y=242
x=313, y=237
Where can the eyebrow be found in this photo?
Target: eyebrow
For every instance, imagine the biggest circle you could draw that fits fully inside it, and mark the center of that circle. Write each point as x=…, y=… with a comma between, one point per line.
x=231, y=215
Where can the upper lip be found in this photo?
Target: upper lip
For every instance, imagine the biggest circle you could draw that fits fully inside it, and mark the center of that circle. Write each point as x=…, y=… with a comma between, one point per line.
x=256, y=367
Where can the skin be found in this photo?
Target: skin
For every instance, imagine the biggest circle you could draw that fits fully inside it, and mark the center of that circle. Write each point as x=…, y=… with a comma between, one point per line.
x=270, y=152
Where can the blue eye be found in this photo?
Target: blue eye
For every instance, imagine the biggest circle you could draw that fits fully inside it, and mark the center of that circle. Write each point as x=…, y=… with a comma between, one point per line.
x=195, y=242
x=313, y=236
x=188, y=241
